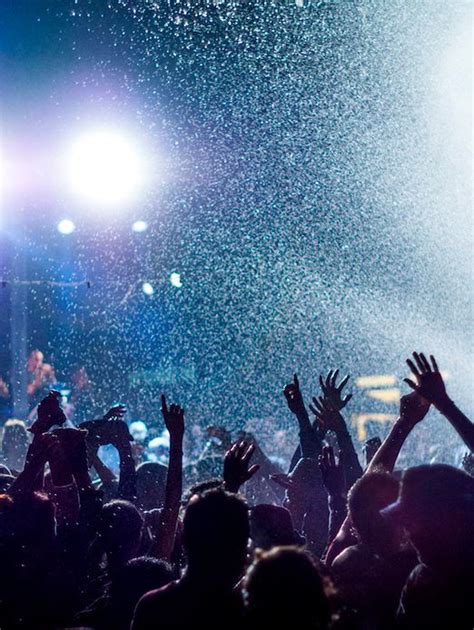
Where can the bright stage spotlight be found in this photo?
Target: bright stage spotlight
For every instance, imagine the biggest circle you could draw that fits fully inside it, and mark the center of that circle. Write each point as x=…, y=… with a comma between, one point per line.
x=66, y=226
x=140, y=226
x=175, y=279
x=104, y=167
x=147, y=288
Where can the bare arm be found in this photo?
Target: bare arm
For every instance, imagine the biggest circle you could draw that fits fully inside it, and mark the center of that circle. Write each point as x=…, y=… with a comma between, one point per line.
x=310, y=442
x=327, y=410
x=413, y=409
x=174, y=421
x=430, y=385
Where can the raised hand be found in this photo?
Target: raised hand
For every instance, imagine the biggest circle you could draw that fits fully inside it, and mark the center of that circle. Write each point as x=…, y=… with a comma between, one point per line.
x=117, y=412
x=328, y=418
x=236, y=466
x=294, y=397
x=413, y=408
x=173, y=417
x=332, y=392
x=332, y=472
x=429, y=382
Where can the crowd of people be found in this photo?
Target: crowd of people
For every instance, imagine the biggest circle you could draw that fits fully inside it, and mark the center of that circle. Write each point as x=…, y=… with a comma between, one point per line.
x=228, y=538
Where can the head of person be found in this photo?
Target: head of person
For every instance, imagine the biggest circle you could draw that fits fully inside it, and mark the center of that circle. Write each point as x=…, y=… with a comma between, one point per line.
x=151, y=485
x=134, y=579
x=304, y=488
x=120, y=529
x=35, y=360
x=271, y=526
x=436, y=507
x=284, y=587
x=371, y=493
x=50, y=411
x=215, y=536
x=15, y=443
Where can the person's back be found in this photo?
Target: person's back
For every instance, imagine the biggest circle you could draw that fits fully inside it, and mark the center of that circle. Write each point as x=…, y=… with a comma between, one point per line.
x=215, y=533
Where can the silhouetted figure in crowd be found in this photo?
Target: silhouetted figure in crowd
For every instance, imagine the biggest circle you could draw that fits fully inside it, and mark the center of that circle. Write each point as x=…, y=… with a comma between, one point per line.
x=215, y=537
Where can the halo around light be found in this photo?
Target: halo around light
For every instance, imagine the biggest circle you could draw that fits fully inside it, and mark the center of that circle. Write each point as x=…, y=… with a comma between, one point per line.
x=104, y=167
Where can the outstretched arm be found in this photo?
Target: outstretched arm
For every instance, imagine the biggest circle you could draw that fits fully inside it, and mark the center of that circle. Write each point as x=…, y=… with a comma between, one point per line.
x=174, y=422
x=413, y=409
x=327, y=409
x=333, y=474
x=430, y=385
x=310, y=441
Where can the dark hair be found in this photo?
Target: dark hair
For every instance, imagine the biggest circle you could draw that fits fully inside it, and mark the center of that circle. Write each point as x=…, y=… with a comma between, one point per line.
x=271, y=526
x=215, y=527
x=203, y=486
x=137, y=577
x=285, y=583
x=120, y=521
x=371, y=493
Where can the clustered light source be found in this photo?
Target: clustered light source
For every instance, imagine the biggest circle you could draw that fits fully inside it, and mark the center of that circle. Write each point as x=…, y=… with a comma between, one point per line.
x=105, y=168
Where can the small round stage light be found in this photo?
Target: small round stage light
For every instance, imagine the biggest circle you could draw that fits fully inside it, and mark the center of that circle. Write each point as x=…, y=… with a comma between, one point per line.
x=147, y=288
x=104, y=168
x=140, y=226
x=66, y=226
x=175, y=279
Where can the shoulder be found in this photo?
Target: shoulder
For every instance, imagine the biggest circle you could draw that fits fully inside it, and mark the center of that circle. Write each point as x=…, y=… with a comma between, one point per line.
x=151, y=606
x=351, y=555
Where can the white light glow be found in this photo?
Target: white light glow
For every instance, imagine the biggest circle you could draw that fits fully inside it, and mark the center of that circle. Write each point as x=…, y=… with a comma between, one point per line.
x=104, y=167
x=175, y=279
x=147, y=288
x=66, y=226
x=140, y=226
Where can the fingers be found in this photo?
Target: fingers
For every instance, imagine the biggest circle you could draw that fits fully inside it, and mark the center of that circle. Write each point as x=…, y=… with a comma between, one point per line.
x=313, y=410
x=413, y=369
x=318, y=403
x=164, y=408
x=410, y=383
x=346, y=399
x=247, y=454
x=419, y=362
x=424, y=360
x=252, y=470
x=296, y=381
x=328, y=379
x=343, y=383
x=322, y=385
x=435, y=365
x=334, y=377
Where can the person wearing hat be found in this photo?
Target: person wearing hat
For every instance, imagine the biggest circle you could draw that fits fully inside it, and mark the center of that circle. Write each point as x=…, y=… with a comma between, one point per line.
x=435, y=506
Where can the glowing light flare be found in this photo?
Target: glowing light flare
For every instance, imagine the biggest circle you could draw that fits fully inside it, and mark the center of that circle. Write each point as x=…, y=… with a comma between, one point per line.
x=66, y=226
x=175, y=279
x=104, y=167
x=139, y=226
x=147, y=288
